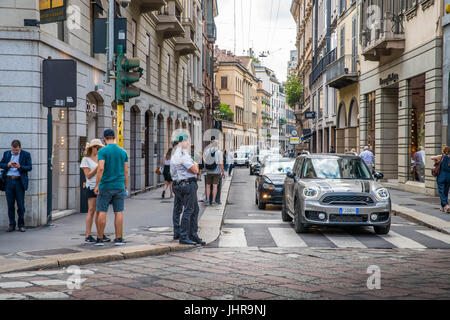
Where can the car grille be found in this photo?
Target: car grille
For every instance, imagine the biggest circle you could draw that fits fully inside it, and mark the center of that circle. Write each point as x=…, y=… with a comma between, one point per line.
x=348, y=218
x=348, y=200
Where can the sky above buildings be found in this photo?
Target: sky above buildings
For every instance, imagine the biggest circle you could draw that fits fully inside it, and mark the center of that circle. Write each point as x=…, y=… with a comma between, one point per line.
x=264, y=25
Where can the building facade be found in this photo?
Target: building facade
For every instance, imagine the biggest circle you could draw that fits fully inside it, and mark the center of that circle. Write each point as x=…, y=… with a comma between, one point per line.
x=401, y=107
x=164, y=35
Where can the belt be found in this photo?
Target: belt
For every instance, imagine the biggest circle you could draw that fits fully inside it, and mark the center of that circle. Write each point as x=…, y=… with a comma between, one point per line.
x=13, y=177
x=185, y=181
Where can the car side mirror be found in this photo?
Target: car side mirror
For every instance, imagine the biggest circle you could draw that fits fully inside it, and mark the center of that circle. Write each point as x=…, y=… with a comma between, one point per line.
x=378, y=175
x=291, y=175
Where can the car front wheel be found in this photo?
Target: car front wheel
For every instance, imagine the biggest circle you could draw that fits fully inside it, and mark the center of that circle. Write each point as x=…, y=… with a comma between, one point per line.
x=261, y=205
x=382, y=230
x=298, y=225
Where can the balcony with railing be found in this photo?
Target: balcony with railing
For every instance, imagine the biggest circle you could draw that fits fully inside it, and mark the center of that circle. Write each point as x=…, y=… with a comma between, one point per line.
x=321, y=66
x=149, y=5
x=384, y=38
x=342, y=72
x=211, y=32
x=169, y=20
x=186, y=45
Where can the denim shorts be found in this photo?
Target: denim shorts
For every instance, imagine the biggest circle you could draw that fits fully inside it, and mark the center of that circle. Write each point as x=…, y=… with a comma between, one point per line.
x=116, y=197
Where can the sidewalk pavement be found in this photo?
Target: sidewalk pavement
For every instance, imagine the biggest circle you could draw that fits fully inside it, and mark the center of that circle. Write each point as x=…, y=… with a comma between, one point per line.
x=147, y=231
x=420, y=208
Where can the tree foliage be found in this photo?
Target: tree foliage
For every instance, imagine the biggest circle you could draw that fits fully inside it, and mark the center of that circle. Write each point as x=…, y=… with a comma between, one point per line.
x=294, y=90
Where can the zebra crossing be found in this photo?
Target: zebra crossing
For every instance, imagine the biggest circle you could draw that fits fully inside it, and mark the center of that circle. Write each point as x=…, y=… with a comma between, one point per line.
x=276, y=233
x=37, y=285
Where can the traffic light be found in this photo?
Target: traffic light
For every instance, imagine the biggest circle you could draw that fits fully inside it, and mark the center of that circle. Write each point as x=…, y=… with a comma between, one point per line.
x=128, y=72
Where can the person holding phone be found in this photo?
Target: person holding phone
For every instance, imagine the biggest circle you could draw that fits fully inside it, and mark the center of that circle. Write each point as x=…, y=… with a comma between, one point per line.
x=15, y=164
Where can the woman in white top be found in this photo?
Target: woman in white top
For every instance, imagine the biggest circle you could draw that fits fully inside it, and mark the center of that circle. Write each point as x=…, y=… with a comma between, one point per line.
x=89, y=165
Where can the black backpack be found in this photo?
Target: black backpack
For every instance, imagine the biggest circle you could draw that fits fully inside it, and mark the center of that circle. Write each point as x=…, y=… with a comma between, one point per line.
x=213, y=165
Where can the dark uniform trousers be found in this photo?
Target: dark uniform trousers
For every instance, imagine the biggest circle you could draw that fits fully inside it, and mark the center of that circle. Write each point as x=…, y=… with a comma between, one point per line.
x=188, y=200
x=177, y=210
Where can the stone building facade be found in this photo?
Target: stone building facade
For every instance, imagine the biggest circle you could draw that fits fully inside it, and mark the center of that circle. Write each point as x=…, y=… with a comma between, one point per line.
x=164, y=35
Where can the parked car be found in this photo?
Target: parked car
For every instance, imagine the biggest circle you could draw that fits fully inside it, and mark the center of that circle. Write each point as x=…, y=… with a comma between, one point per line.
x=241, y=158
x=255, y=164
x=269, y=183
x=324, y=189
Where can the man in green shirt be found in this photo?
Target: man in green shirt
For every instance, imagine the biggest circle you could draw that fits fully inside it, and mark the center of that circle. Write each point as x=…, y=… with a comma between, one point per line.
x=112, y=179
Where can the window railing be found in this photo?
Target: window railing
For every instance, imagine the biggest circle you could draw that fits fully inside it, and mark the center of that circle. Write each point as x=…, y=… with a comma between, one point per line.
x=344, y=65
x=385, y=30
x=321, y=66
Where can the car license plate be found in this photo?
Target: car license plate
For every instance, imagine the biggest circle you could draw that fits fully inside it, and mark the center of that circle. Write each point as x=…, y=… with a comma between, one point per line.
x=348, y=210
x=278, y=189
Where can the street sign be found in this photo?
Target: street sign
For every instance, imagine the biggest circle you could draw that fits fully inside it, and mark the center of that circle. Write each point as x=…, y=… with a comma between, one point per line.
x=310, y=115
x=294, y=132
x=59, y=83
x=120, y=34
x=52, y=10
x=294, y=140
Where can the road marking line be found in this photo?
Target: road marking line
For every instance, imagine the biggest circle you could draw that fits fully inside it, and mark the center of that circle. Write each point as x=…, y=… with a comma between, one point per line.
x=12, y=296
x=232, y=237
x=400, y=241
x=47, y=283
x=255, y=221
x=18, y=275
x=286, y=237
x=47, y=295
x=14, y=284
x=436, y=235
x=344, y=240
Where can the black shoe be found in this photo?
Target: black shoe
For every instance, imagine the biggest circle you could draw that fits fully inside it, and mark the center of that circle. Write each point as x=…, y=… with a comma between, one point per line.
x=99, y=242
x=106, y=239
x=198, y=240
x=187, y=241
x=163, y=194
x=11, y=229
x=119, y=242
x=90, y=239
x=22, y=229
x=176, y=237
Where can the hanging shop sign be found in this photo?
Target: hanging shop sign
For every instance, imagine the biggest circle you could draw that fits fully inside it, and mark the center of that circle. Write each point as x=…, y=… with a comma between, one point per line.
x=52, y=11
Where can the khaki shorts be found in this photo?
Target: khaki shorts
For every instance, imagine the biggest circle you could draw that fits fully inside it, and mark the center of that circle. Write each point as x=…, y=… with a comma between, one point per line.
x=212, y=178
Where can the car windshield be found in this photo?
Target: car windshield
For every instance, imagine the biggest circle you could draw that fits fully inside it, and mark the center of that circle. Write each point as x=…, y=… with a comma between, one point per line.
x=241, y=155
x=274, y=167
x=335, y=168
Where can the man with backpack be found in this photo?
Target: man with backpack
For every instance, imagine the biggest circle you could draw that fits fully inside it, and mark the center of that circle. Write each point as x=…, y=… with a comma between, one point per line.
x=213, y=164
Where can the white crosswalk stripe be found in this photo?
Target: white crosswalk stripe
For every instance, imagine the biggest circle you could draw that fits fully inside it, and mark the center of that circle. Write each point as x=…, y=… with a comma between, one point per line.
x=254, y=221
x=286, y=237
x=400, y=241
x=232, y=237
x=344, y=240
x=436, y=235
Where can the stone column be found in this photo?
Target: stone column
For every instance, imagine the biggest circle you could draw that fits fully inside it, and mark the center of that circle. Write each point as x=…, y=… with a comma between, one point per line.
x=386, y=132
x=404, y=127
x=362, y=122
x=433, y=127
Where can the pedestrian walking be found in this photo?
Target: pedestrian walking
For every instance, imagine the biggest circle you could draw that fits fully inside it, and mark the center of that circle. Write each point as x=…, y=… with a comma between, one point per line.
x=214, y=170
x=166, y=173
x=110, y=186
x=368, y=157
x=419, y=164
x=443, y=178
x=16, y=163
x=89, y=165
x=225, y=158
x=184, y=171
x=230, y=161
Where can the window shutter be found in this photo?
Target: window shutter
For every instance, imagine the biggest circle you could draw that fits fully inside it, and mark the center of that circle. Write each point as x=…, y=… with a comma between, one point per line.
x=342, y=41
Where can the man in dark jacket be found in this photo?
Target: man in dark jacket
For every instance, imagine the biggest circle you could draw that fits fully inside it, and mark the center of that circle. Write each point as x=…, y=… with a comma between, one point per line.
x=15, y=164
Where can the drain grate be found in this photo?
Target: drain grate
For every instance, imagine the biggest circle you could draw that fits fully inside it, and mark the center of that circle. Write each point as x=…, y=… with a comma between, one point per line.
x=234, y=182
x=51, y=252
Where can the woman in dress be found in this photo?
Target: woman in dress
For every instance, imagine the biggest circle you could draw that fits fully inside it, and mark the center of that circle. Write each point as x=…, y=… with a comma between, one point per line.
x=89, y=165
x=443, y=179
x=166, y=173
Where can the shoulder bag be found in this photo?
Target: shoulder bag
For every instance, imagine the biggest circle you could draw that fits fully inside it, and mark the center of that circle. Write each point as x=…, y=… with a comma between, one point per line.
x=436, y=170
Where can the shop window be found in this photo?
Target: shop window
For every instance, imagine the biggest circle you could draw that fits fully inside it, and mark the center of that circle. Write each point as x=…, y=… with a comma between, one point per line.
x=417, y=128
x=370, y=98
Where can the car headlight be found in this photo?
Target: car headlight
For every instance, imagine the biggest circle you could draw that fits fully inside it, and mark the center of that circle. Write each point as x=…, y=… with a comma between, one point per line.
x=382, y=194
x=311, y=192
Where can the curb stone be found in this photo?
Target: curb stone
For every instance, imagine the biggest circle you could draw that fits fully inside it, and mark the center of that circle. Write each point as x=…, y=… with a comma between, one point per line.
x=422, y=218
x=115, y=254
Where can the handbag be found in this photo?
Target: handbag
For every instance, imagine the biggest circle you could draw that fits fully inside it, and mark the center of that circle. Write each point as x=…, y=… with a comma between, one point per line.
x=436, y=170
x=158, y=171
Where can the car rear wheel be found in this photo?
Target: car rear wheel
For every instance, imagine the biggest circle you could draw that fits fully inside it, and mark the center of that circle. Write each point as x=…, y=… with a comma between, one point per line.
x=299, y=227
x=284, y=215
x=382, y=230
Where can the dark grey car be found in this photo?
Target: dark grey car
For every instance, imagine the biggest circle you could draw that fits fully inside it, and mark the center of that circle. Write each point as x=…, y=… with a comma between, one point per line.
x=326, y=189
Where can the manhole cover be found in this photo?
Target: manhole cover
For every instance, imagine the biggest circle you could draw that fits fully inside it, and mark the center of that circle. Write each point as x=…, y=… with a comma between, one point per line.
x=51, y=252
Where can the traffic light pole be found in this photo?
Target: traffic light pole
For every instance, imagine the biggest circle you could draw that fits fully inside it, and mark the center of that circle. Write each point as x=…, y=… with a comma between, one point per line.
x=49, y=166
